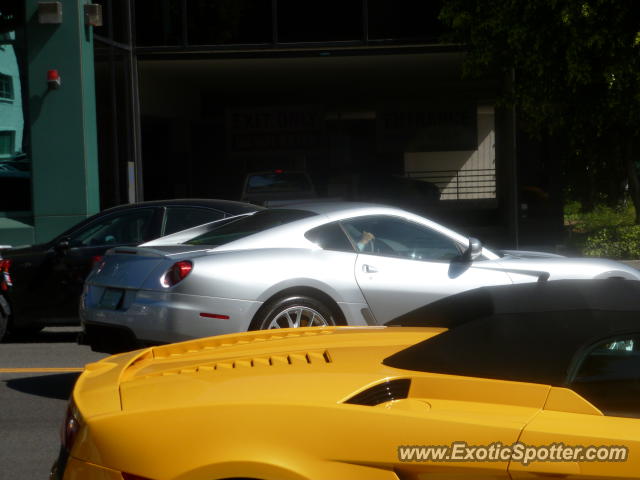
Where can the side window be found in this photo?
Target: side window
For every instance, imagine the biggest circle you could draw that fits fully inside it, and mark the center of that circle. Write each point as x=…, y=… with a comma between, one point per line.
x=609, y=376
x=181, y=218
x=330, y=237
x=397, y=237
x=117, y=229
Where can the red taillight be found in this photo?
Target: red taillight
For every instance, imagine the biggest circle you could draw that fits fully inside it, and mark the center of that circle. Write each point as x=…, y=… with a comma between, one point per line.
x=97, y=263
x=70, y=427
x=5, y=275
x=177, y=273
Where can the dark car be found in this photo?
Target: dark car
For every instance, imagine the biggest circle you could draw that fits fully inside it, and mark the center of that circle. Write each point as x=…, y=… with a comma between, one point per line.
x=41, y=284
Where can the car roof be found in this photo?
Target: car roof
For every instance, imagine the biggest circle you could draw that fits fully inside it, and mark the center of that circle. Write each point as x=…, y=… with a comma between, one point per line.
x=529, y=332
x=331, y=207
x=229, y=206
x=339, y=210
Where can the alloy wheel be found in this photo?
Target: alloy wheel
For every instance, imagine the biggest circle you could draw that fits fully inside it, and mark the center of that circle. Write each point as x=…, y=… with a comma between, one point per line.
x=298, y=316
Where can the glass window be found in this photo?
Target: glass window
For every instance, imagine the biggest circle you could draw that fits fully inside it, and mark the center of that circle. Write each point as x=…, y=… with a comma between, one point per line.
x=6, y=87
x=181, y=218
x=11, y=18
x=131, y=228
x=405, y=19
x=115, y=20
x=319, y=20
x=158, y=22
x=7, y=143
x=330, y=237
x=213, y=22
x=246, y=226
x=396, y=237
x=609, y=376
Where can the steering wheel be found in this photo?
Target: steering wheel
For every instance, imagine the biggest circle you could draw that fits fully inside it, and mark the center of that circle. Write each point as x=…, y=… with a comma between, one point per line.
x=377, y=245
x=383, y=247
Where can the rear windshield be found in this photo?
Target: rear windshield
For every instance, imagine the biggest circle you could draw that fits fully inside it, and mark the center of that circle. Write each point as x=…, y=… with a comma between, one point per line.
x=278, y=182
x=245, y=226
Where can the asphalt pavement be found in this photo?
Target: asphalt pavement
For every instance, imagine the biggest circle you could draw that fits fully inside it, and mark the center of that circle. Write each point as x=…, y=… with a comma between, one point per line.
x=37, y=374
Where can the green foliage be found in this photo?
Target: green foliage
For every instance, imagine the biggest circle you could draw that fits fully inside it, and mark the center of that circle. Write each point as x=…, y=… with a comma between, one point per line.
x=572, y=70
x=619, y=242
x=600, y=217
x=605, y=231
x=576, y=63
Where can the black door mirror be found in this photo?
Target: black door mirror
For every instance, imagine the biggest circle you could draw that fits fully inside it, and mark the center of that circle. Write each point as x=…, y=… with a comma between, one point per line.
x=62, y=246
x=473, y=251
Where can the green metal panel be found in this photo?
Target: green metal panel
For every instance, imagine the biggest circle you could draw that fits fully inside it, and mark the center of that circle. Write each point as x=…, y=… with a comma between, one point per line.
x=15, y=233
x=63, y=121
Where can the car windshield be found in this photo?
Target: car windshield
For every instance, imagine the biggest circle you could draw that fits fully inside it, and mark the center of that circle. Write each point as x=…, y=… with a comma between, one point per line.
x=245, y=226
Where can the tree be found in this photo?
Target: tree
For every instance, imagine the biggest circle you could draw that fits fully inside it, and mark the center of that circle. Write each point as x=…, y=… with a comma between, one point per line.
x=576, y=70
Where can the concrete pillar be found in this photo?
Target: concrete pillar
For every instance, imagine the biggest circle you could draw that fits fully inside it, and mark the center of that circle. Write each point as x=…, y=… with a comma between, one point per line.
x=63, y=121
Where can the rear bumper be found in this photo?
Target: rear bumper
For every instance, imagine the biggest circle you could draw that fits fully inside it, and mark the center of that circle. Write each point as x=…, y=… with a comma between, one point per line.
x=163, y=317
x=60, y=465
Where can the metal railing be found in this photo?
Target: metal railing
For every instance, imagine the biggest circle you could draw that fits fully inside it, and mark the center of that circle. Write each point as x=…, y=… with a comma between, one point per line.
x=460, y=184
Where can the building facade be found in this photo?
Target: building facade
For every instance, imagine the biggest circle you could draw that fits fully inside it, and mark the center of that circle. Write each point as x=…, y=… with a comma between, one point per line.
x=57, y=146
x=182, y=98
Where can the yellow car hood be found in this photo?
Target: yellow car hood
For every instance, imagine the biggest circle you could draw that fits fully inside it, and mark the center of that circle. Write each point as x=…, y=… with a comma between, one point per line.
x=238, y=406
x=273, y=366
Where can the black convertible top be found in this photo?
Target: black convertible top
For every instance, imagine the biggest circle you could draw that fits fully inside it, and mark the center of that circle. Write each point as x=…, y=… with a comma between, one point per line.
x=528, y=332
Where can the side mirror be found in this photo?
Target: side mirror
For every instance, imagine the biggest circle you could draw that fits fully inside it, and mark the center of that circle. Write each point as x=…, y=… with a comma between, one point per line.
x=62, y=246
x=473, y=251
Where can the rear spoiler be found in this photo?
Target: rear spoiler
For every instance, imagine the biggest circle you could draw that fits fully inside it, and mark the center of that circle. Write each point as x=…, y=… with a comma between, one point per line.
x=146, y=251
x=183, y=235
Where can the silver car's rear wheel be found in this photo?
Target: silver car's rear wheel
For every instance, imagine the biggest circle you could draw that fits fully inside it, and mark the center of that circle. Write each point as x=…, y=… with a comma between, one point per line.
x=298, y=316
x=293, y=312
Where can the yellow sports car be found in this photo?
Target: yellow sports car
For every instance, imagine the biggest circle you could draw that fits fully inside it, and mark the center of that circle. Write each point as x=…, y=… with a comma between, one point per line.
x=530, y=381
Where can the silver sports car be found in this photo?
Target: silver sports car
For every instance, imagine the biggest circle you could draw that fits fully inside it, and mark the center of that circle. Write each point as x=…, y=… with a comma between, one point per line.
x=304, y=265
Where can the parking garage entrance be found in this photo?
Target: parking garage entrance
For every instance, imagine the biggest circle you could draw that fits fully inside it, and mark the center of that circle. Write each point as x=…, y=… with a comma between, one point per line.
x=207, y=122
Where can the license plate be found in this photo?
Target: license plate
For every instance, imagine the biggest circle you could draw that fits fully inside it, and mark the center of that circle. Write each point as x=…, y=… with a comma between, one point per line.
x=111, y=298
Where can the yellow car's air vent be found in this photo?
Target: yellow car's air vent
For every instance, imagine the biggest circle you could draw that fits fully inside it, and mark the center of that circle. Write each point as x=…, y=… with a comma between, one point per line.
x=314, y=357
x=382, y=393
x=200, y=346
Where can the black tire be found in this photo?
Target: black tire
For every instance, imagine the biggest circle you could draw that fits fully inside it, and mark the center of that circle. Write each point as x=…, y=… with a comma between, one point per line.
x=275, y=313
x=4, y=321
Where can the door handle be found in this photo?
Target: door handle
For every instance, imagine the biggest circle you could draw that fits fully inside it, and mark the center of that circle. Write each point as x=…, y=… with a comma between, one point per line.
x=369, y=269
